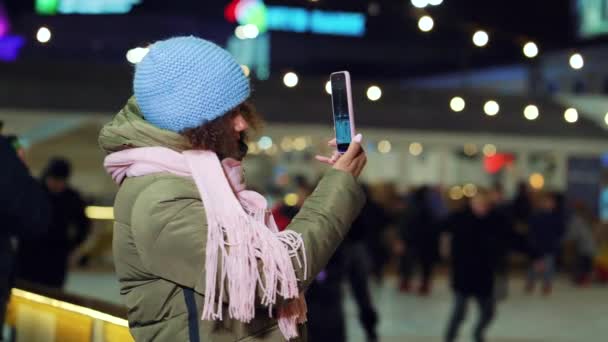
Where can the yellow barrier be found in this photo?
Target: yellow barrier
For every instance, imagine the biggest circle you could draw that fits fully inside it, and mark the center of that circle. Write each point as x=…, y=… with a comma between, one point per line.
x=40, y=318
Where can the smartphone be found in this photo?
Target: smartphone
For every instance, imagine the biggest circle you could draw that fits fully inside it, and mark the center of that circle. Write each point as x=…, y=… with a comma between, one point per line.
x=342, y=105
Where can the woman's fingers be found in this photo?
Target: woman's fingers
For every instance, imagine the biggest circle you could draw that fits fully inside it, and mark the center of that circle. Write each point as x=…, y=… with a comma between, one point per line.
x=352, y=161
x=324, y=159
x=328, y=160
x=361, y=164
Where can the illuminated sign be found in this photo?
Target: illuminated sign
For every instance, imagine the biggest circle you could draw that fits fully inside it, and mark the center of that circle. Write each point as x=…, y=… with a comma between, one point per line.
x=321, y=22
x=593, y=17
x=9, y=44
x=295, y=19
x=248, y=12
x=9, y=47
x=254, y=53
x=343, y=23
x=4, y=24
x=47, y=7
x=51, y=7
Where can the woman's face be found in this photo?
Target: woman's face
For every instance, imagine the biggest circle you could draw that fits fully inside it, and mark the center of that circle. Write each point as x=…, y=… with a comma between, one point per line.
x=240, y=126
x=226, y=135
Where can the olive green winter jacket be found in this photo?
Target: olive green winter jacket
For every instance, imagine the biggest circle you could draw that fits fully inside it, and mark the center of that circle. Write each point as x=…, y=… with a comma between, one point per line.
x=160, y=238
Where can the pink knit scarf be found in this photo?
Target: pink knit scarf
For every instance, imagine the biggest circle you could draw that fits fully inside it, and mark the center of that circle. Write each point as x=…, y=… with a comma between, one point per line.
x=242, y=235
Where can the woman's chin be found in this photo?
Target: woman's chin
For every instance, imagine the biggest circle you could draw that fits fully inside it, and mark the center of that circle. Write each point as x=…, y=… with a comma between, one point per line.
x=243, y=148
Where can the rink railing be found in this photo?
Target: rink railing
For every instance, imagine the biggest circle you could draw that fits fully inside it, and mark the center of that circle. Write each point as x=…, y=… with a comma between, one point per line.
x=35, y=317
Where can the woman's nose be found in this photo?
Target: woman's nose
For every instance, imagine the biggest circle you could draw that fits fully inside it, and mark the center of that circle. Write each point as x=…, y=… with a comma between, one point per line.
x=240, y=124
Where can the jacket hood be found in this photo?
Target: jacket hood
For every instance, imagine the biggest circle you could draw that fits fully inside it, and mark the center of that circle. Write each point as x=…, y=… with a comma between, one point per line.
x=128, y=129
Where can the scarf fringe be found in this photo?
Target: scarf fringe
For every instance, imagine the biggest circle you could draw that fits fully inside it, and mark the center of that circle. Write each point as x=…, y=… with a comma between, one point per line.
x=248, y=249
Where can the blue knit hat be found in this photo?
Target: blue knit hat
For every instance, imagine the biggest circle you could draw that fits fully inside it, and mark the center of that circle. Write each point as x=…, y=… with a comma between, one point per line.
x=184, y=82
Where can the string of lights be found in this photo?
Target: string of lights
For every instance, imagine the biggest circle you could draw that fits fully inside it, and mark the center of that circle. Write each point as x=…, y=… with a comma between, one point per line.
x=480, y=38
x=481, y=35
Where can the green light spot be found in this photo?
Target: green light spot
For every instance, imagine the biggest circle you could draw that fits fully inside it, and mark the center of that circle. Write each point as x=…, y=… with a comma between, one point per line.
x=256, y=14
x=47, y=7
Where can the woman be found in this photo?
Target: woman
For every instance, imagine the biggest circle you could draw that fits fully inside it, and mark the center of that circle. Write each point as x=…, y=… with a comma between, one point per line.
x=189, y=240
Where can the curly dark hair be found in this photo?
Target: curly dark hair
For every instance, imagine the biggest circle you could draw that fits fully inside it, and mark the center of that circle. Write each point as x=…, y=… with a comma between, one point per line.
x=216, y=135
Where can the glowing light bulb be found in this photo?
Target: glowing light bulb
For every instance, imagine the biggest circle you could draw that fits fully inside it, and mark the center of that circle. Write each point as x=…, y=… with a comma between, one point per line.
x=416, y=149
x=328, y=87
x=290, y=79
x=426, y=23
x=135, y=55
x=420, y=3
x=537, y=181
x=251, y=31
x=456, y=193
x=576, y=61
x=469, y=190
x=531, y=112
x=491, y=108
x=43, y=35
x=374, y=93
x=265, y=143
x=480, y=38
x=457, y=104
x=530, y=50
x=384, y=146
x=291, y=199
x=571, y=115
x=489, y=150
x=470, y=149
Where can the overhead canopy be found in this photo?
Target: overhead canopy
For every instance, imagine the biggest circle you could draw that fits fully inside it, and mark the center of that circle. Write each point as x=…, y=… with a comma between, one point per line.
x=104, y=89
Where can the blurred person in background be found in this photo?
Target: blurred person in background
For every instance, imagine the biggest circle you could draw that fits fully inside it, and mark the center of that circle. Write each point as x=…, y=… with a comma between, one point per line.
x=182, y=207
x=438, y=202
x=24, y=212
x=358, y=264
x=382, y=204
x=546, y=229
x=44, y=260
x=350, y=263
x=520, y=209
x=421, y=238
x=474, y=258
x=283, y=213
x=16, y=143
x=580, y=231
x=325, y=297
x=601, y=259
x=325, y=300
x=376, y=239
x=506, y=237
x=522, y=204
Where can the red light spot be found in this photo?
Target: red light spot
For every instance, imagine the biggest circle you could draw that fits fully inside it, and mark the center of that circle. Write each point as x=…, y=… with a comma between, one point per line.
x=496, y=162
x=230, y=11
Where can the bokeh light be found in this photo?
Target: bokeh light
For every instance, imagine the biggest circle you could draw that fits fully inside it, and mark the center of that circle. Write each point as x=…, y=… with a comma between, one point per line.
x=384, y=146
x=457, y=104
x=290, y=79
x=491, y=108
x=374, y=93
x=43, y=35
x=537, y=181
x=416, y=149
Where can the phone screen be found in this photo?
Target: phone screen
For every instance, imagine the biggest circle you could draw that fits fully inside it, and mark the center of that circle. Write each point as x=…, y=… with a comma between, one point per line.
x=340, y=107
